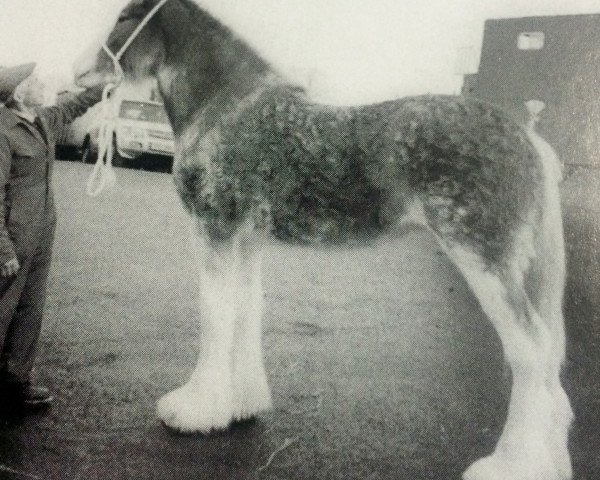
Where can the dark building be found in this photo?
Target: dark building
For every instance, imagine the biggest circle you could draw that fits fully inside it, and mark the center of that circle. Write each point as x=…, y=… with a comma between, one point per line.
x=552, y=59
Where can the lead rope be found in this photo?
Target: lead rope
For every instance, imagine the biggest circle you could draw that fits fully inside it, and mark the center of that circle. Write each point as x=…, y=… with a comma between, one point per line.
x=103, y=174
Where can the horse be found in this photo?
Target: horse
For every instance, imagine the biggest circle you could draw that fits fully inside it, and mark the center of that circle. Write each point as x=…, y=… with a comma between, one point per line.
x=256, y=157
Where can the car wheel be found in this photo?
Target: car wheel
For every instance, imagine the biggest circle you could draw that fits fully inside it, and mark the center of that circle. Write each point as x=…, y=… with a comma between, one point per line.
x=117, y=159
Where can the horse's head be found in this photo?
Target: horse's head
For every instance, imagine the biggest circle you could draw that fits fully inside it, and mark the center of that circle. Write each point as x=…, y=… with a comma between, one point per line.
x=141, y=58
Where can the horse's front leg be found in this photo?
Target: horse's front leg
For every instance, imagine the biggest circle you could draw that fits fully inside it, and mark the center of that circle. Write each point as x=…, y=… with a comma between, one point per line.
x=251, y=393
x=206, y=401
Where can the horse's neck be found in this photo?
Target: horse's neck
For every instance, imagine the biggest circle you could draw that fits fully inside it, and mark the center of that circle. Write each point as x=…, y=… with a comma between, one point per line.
x=208, y=69
x=223, y=107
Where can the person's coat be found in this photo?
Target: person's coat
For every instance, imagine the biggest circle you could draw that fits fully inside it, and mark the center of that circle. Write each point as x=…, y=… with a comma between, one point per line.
x=27, y=208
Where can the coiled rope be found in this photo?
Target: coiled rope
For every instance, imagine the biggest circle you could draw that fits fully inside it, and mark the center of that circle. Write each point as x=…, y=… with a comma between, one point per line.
x=103, y=174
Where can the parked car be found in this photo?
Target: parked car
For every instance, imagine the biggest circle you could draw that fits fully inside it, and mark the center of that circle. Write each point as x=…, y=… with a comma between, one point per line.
x=141, y=128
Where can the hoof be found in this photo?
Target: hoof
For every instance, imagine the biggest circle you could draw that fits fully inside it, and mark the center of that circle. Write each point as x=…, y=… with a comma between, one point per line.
x=189, y=409
x=499, y=467
x=252, y=396
x=558, y=441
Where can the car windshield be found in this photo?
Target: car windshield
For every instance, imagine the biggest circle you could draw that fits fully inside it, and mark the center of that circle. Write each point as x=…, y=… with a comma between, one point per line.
x=143, y=111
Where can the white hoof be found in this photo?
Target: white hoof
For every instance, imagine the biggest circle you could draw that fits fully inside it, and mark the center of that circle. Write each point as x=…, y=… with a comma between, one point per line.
x=504, y=467
x=196, y=408
x=488, y=468
x=562, y=418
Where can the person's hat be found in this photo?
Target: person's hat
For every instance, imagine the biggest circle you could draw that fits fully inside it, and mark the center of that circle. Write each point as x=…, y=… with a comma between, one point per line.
x=10, y=77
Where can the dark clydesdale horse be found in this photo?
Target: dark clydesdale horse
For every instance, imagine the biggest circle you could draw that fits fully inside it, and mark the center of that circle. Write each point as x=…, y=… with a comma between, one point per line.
x=254, y=155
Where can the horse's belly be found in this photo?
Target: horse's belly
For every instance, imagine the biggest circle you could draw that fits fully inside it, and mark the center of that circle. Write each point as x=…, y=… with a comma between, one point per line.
x=305, y=201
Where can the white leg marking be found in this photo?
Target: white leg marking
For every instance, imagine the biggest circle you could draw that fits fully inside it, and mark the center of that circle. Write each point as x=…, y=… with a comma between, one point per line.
x=229, y=382
x=546, y=282
x=205, y=403
x=549, y=279
x=525, y=450
x=250, y=387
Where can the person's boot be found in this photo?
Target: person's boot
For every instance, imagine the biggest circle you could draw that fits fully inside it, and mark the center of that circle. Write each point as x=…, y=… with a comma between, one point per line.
x=35, y=395
x=24, y=394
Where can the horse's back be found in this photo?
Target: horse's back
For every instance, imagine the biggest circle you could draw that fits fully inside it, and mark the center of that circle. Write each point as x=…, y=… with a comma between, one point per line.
x=473, y=167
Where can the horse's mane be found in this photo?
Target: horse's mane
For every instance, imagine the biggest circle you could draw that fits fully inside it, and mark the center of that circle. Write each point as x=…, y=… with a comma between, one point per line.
x=192, y=50
x=224, y=16
x=237, y=25
x=197, y=18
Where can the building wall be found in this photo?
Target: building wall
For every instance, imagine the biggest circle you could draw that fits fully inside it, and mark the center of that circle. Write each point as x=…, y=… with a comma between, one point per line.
x=565, y=74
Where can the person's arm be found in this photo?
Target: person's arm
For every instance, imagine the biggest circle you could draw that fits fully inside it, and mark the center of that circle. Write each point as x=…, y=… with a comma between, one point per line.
x=7, y=249
x=71, y=107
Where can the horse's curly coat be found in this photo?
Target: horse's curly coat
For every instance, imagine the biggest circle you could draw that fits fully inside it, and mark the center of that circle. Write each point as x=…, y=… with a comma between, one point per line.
x=330, y=173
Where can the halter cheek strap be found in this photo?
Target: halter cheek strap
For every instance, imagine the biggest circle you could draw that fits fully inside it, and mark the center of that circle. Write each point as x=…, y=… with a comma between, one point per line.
x=103, y=175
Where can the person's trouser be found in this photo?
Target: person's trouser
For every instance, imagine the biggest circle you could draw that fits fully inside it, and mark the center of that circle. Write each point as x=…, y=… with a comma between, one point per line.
x=21, y=309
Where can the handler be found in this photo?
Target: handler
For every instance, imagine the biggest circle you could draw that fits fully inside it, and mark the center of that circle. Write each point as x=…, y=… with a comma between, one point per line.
x=28, y=134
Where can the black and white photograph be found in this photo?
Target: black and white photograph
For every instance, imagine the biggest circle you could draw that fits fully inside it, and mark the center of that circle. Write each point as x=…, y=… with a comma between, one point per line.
x=299, y=240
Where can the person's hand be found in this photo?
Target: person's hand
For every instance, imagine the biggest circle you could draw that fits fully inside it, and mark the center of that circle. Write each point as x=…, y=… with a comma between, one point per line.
x=96, y=79
x=10, y=268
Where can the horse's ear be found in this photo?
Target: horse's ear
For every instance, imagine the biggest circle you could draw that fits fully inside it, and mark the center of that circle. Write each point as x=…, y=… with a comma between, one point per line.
x=148, y=4
x=136, y=9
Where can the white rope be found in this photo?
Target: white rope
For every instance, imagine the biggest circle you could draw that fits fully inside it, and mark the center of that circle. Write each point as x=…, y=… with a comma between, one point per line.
x=103, y=174
x=139, y=28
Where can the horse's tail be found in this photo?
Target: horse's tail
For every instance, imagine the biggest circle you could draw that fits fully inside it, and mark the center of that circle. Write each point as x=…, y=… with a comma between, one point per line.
x=547, y=154
x=549, y=243
x=553, y=168
x=552, y=176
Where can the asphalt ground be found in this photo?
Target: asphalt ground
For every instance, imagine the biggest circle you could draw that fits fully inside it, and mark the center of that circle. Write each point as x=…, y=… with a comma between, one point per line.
x=381, y=363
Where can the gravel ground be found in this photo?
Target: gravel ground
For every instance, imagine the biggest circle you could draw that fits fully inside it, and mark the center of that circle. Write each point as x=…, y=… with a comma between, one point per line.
x=381, y=363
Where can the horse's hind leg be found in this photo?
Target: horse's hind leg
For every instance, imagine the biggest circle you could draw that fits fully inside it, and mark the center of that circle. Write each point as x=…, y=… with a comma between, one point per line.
x=545, y=284
x=526, y=449
x=205, y=402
